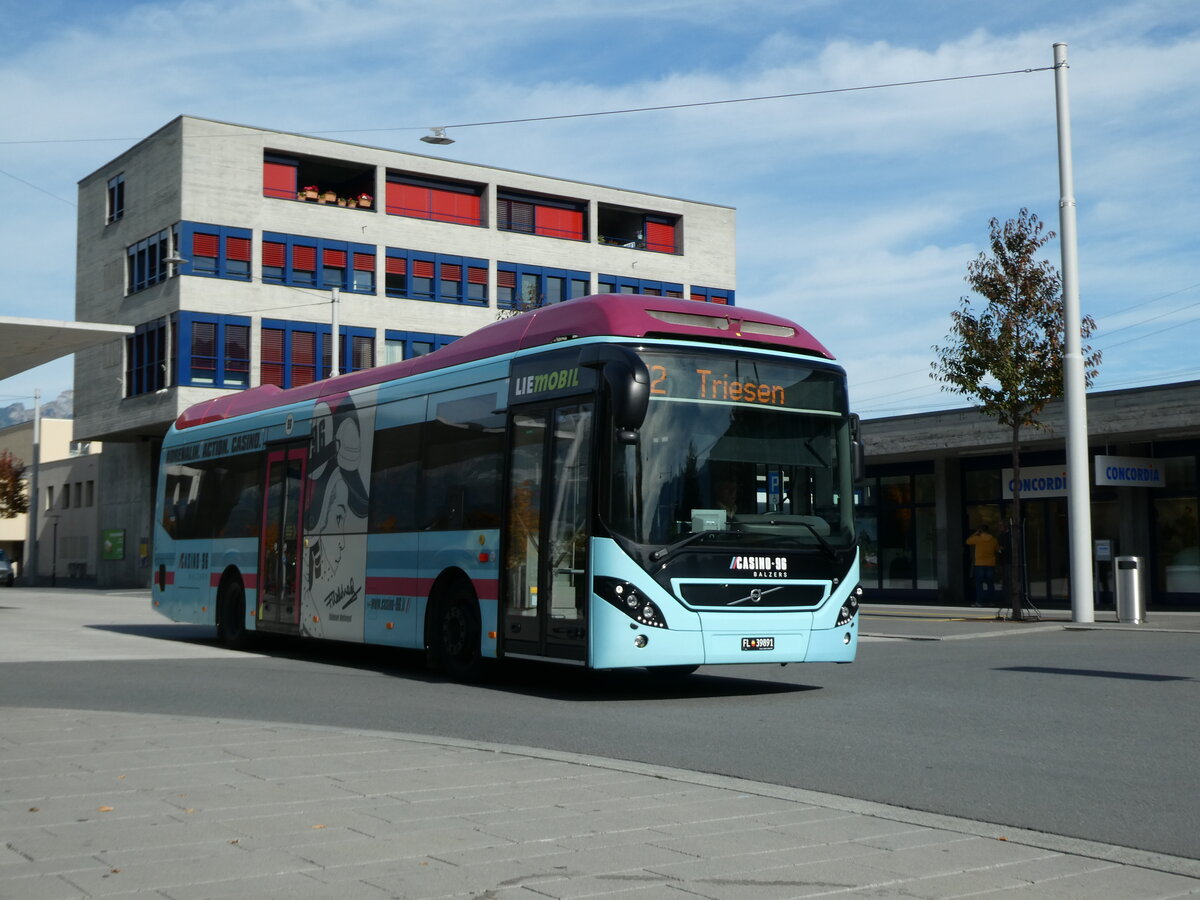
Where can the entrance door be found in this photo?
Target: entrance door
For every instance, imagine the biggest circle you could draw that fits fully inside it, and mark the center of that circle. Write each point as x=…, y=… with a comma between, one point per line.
x=546, y=549
x=279, y=552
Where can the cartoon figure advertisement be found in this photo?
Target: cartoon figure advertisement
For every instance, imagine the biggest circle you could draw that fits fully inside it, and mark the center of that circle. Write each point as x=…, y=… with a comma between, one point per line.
x=335, y=518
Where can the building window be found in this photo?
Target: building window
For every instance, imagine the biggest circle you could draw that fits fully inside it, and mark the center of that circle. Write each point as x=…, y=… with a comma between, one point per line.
x=364, y=273
x=144, y=262
x=318, y=180
x=614, y=284
x=357, y=351
x=897, y=519
x=638, y=229
x=435, y=276
x=90, y=494
x=314, y=262
x=547, y=216
x=711, y=295
x=215, y=251
x=214, y=350
x=116, y=198
x=66, y=495
x=401, y=345
x=438, y=200
x=519, y=286
x=290, y=351
x=146, y=359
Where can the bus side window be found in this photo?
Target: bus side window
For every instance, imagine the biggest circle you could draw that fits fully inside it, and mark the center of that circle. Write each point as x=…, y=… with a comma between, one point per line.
x=462, y=460
x=395, y=465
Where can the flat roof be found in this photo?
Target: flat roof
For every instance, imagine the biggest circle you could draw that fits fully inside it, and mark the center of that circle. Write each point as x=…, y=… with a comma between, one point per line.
x=29, y=343
x=438, y=159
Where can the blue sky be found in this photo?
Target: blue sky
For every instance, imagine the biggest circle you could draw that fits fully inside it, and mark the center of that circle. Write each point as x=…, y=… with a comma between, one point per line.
x=857, y=212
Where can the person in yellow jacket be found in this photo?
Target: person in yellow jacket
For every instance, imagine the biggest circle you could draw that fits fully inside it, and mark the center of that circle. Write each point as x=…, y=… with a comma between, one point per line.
x=986, y=547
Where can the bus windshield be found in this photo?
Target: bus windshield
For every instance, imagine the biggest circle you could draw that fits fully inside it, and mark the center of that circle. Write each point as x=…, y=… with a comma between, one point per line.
x=747, y=450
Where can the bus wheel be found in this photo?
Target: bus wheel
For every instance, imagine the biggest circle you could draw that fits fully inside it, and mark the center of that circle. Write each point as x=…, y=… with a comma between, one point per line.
x=458, y=635
x=231, y=616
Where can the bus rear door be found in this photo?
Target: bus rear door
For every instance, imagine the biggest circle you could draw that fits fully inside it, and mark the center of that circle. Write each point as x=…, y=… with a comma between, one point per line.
x=280, y=558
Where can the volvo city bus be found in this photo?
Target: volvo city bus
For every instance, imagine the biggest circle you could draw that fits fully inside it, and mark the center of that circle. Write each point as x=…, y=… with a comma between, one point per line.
x=613, y=481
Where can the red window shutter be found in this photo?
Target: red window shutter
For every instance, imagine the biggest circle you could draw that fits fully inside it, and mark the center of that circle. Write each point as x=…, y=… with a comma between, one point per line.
x=476, y=275
x=237, y=248
x=205, y=245
x=304, y=348
x=560, y=223
x=408, y=200
x=364, y=262
x=335, y=259
x=279, y=180
x=443, y=206
x=468, y=208
x=700, y=297
x=304, y=258
x=392, y=199
x=451, y=272
x=274, y=254
x=660, y=237
x=397, y=265
x=718, y=298
x=304, y=358
x=506, y=279
x=422, y=268
x=272, y=355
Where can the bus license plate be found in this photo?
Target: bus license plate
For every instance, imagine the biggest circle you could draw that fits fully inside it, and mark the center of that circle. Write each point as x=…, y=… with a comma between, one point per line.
x=758, y=643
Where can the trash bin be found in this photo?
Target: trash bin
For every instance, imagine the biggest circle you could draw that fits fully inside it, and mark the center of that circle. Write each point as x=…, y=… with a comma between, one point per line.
x=1131, y=600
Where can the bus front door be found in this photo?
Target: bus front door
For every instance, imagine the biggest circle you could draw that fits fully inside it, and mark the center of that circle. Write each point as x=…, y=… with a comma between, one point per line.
x=546, y=564
x=280, y=559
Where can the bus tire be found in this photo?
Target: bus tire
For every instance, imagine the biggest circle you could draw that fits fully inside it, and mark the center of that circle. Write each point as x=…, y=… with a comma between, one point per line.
x=457, y=634
x=231, y=615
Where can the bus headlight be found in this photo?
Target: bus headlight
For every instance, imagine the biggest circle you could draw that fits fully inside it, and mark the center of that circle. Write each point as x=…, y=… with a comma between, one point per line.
x=849, y=609
x=625, y=597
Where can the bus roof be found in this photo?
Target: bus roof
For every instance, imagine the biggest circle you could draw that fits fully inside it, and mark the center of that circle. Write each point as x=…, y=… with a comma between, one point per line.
x=613, y=315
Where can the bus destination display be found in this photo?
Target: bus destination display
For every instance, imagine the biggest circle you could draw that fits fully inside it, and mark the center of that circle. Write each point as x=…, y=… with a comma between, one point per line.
x=732, y=379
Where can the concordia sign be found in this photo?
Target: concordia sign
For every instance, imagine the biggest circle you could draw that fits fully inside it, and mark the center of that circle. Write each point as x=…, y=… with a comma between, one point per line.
x=1037, y=481
x=1128, y=471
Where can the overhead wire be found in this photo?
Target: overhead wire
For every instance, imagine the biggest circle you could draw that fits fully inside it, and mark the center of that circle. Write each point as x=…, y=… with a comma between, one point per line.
x=612, y=112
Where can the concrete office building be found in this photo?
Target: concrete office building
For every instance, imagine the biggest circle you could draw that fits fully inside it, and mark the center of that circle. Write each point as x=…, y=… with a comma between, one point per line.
x=422, y=250
x=935, y=477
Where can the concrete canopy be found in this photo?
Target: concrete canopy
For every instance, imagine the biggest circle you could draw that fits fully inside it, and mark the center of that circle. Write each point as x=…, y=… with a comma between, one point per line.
x=27, y=343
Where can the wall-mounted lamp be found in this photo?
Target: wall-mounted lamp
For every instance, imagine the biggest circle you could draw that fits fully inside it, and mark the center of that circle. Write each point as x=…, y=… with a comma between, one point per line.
x=438, y=137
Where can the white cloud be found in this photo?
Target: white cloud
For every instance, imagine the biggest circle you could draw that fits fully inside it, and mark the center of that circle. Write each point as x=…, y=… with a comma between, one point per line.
x=859, y=211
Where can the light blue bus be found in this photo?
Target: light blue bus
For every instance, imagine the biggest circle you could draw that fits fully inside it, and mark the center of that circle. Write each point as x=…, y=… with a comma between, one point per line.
x=614, y=481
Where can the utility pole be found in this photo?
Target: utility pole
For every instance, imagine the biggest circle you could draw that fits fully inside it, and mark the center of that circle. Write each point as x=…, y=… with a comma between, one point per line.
x=335, y=348
x=30, y=569
x=1079, y=509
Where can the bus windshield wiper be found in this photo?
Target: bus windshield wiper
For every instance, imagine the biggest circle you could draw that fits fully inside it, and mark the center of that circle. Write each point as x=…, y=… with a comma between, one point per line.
x=663, y=552
x=825, y=545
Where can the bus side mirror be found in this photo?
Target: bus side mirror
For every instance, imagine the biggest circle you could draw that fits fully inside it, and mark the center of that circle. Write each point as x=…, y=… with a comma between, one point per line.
x=628, y=382
x=857, y=449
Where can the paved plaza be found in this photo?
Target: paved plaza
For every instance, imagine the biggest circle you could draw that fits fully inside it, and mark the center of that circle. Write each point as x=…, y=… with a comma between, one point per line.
x=120, y=804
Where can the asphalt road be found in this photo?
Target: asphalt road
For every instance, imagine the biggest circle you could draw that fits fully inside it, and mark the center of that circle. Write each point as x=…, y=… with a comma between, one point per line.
x=1089, y=734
